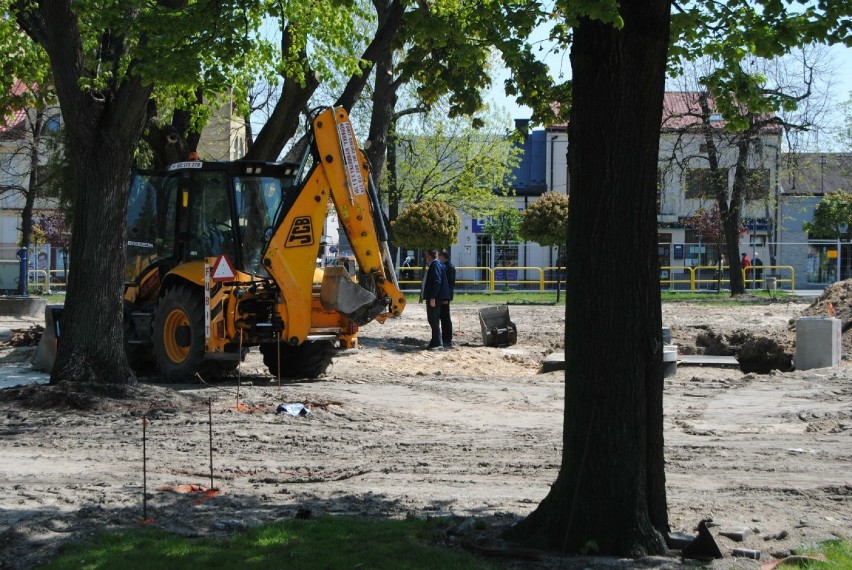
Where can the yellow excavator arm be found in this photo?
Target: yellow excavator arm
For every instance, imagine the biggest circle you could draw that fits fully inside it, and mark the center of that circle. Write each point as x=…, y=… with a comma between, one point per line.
x=340, y=173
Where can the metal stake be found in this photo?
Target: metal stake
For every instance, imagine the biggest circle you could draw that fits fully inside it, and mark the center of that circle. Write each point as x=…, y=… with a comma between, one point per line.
x=210, y=423
x=144, y=469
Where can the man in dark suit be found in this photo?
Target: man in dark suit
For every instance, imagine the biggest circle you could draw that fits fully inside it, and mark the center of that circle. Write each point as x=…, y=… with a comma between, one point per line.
x=435, y=290
x=446, y=321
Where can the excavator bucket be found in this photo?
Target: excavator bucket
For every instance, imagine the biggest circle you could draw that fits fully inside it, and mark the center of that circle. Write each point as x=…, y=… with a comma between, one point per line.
x=497, y=328
x=339, y=293
x=46, y=352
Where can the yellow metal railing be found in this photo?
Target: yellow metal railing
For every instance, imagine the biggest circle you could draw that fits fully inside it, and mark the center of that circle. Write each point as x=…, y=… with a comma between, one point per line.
x=713, y=275
x=38, y=280
x=462, y=277
x=750, y=276
x=676, y=278
x=672, y=282
x=559, y=271
x=506, y=280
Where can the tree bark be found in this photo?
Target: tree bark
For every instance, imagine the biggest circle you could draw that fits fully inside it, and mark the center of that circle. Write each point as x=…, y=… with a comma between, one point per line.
x=384, y=103
x=733, y=215
x=609, y=496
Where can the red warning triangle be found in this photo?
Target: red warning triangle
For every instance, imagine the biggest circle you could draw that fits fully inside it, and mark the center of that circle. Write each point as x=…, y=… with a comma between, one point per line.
x=223, y=270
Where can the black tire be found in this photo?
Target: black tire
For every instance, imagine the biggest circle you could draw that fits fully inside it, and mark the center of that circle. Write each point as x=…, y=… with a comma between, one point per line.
x=308, y=360
x=228, y=366
x=179, y=334
x=139, y=356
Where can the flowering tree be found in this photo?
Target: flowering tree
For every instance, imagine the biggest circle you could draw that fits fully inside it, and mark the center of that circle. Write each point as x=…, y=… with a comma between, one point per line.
x=57, y=233
x=709, y=225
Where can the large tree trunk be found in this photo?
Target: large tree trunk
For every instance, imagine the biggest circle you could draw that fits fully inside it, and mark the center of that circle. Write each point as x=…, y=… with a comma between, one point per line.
x=609, y=496
x=91, y=348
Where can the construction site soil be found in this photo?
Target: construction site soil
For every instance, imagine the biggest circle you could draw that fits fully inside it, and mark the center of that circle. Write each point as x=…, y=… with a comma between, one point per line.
x=394, y=431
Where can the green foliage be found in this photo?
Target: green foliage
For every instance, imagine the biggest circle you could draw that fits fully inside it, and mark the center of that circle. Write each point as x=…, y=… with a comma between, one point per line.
x=329, y=542
x=729, y=33
x=837, y=552
x=832, y=216
x=24, y=61
x=503, y=225
x=187, y=49
x=455, y=162
x=733, y=33
x=59, y=170
x=545, y=221
x=426, y=225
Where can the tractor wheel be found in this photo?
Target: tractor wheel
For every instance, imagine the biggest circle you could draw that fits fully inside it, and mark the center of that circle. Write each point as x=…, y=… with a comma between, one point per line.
x=139, y=356
x=308, y=360
x=179, y=334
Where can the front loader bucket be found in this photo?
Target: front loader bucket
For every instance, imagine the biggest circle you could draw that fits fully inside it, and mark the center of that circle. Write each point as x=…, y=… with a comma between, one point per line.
x=46, y=352
x=339, y=293
x=497, y=329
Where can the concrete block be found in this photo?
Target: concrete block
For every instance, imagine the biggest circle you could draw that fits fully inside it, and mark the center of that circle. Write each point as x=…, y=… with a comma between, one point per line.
x=669, y=360
x=553, y=361
x=818, y=342
x=737, y=535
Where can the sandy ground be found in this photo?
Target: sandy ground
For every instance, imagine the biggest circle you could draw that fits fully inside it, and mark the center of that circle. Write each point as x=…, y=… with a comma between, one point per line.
x=394, y=430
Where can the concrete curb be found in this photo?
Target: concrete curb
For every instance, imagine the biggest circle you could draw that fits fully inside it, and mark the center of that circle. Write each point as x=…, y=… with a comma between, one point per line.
x=22, y=306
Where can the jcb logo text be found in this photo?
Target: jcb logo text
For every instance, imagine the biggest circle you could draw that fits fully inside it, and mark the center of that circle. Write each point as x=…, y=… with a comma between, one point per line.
x=301, y=233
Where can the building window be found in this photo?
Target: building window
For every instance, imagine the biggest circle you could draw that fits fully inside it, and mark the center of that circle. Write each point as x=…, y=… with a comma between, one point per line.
x=757, y=184
x=700, y=182
x=52, y=124
x=664, y=248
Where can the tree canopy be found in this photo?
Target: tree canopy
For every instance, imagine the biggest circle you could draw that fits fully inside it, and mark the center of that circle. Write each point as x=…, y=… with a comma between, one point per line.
x=503, y=225
x=832, y=216
x=453, y=161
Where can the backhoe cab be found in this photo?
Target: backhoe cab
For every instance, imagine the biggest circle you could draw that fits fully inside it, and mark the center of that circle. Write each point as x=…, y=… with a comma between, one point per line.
x=221, y=256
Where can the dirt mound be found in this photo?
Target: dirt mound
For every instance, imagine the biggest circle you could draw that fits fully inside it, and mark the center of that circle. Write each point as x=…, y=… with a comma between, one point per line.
x=836, y=299
x=755, y=353
x=91, y=396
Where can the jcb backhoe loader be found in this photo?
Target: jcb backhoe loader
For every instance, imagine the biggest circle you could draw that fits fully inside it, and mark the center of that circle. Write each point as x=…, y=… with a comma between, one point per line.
x=222, y=257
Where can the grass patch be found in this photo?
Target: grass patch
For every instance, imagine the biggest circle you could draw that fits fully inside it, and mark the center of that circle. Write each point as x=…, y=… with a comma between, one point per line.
x=501, y=298
x=752, y=296
x=838, y=552
x=324, y=543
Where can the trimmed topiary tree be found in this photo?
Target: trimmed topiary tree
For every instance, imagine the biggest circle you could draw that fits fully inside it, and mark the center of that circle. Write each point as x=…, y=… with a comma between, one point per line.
x=545, y=222
x=430, y=224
